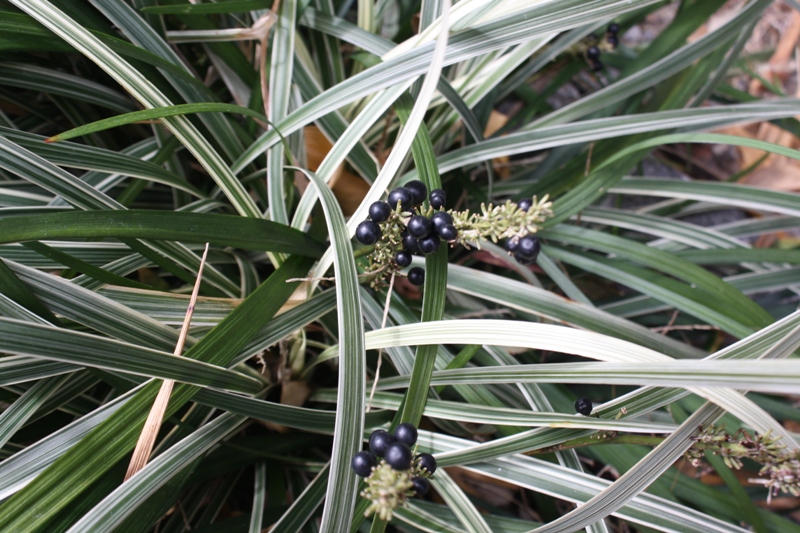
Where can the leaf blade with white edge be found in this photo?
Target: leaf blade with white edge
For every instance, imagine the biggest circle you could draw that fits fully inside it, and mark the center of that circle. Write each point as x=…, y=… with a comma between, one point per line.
x=83, y=349
x=280, y=85
x=341, y=492
x=766, y=376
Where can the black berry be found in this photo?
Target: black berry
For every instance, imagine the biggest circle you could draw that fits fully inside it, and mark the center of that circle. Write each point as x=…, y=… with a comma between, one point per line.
x=523, y=260
x=593, y=52
x=613, y=28
x=398, y=456
x=448, y=232
x=427, y=461
x=525, y=204
x=429, y=244
x=529, y=247
x=418, y=191
x=441, y=219
x=512, y=244
x=419, y=226
x=583, y=406
x=362, y=463
x=379, y=441
x=410, y=243
x=379, y=211
x=368, y=232
x=406, y=433
x=416, y=276
x=612, y=41
x=403, y=258
x=402, y=195
x=421, y=486
x=438, y=198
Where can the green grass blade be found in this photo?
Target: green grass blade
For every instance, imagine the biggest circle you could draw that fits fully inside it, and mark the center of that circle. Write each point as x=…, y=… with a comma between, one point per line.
x=341, y=493
x=728, y=193
x=60, y=83
x=231, y=6
x=280, y=86
x=220, y=230
x=89, y=350
x=155, y=114
x=19, y=369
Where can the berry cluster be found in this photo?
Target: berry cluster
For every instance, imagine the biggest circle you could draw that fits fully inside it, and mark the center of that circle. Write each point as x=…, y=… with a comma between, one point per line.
x=399, y=475
x=525, y=249
x=611, y=42
x=421, y=230
x=396, y=231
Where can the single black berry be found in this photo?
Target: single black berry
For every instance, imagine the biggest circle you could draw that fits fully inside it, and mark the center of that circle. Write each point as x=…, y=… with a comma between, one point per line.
x=529, y=247
x=525, y=204
x=429, y=244
x=419, y=226
x=421, y=486
x=398, y=456
x=402, y=195
x=402, y=258
x=418, y=191
x=512, y=244
x=613, y=28
x=523, y=260
x=362, y=463
x=427, y=461
x=438, y=201
x=448, y=232
x=416, y=276
x=368, y=232
x=410, y=243
x=597, y=66
x=406, y=433
x=438, y=198
x=583, y=406
x=379, y=211
x=612, y=41
x=593, y=52
x=441, y=219
x=379, y=440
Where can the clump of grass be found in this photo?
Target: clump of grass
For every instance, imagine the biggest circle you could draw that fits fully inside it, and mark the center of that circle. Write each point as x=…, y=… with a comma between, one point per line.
x=495, y=104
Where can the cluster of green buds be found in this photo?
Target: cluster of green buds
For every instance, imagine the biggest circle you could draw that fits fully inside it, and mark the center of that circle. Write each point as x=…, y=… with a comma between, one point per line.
x=505, y=221
x=388, y=488
x=780, y=468
x=515, y=222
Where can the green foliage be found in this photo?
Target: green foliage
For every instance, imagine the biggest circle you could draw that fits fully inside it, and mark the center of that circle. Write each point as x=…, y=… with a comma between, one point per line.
x=196, y=123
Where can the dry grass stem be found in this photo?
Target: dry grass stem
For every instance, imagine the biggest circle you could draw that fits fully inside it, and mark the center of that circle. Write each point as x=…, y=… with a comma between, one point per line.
x=144, y=446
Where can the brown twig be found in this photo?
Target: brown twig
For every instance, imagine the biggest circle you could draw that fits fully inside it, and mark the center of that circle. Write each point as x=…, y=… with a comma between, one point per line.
x=144, y=447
